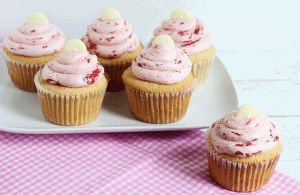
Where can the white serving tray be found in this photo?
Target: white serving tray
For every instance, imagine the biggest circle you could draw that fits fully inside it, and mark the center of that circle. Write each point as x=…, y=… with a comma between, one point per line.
x=20, y=111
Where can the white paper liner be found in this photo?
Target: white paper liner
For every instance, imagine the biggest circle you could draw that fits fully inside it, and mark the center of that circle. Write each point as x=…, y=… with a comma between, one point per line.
x=239, y=177
x=69, y=110
x=158, y=108
x=22, y=74
x=201, y=71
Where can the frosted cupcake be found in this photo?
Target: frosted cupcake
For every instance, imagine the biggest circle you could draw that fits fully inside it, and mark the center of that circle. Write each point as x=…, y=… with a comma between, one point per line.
x=115, y=43
x=29, y=47
x=192, y=37
x=243, y=149
x=72, y=86
x=159, y=83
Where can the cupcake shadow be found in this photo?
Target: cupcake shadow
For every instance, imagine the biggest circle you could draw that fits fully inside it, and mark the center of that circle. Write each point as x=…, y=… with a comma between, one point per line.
x=116, y=103
x=190, y=161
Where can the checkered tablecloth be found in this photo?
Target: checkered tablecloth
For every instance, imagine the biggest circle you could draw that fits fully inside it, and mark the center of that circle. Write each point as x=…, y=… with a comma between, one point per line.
x=171, y=162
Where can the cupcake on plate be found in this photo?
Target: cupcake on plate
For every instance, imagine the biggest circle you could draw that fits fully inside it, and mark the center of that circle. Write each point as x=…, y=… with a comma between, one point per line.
x=243, y=149
x=116, y=45
x=159, y=84
x=192, y=37
x=71, y=87
x=29, y=47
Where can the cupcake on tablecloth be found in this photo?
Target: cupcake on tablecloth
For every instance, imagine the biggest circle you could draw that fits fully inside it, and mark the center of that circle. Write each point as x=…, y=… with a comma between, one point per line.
x=159, y=83
x=71, y=87
x=115, y=43
x=193, y=37
x=243, y=149
x=29, y=47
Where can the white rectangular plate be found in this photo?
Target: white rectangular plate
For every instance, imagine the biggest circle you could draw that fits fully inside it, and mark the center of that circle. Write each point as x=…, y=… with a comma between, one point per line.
x=20, y=111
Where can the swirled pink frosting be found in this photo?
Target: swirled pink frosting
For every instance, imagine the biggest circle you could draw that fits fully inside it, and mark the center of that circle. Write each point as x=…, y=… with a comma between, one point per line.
x=162, y=65
x=35, y=40
x=75, y=69
x=244, y=137
x=191, y=35
x=111, y=38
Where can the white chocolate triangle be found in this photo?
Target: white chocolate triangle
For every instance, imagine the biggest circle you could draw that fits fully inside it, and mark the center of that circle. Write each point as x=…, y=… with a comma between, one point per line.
x=247, y=111
x=37, y=18
x=163, y=39
x=74, y=45
x=179, y=14
x=110, y=14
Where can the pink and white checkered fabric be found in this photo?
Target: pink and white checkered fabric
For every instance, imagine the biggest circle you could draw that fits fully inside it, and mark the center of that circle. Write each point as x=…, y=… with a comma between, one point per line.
x=1, y=45
x=118, y=163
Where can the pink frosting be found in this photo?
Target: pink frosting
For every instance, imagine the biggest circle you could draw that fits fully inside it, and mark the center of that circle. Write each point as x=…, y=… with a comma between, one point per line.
x=190, y=35
x=162, y=65
x=244, y=137
x=75, y=69
x=35, y=40
x=112, y=38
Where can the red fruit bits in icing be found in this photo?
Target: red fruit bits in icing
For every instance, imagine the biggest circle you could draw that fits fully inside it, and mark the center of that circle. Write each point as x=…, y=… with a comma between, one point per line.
x=243, y=137
x=91, y=78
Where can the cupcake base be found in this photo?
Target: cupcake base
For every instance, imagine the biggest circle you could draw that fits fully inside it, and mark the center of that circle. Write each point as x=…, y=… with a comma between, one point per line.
x=22, y=69
x=114, y=72
x=244, y=175
x=157, y=103
x=202, y=63
x=70, y=106
x=158, y=108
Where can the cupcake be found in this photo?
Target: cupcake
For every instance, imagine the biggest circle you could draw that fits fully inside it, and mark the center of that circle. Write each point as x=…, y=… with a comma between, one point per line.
x=159, y=83
x=243, y=149
x=29, y=47
x=116, y=45
x=72, y=86
x=192, y=37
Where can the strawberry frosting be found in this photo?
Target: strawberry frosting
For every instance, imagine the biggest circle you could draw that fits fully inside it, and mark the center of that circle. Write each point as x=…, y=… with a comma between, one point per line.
x=74, y=69
x=162, y=64
x=191, y=35
x=35, y=40
x=244, y=137
x=111, y=38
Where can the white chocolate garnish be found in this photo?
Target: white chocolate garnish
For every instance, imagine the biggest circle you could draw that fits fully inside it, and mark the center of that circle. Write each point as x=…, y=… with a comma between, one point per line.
x=179, y=14
x=247, y=111
x=74, y=45
x=110, y=14
x=163, y=39
x=37, y=18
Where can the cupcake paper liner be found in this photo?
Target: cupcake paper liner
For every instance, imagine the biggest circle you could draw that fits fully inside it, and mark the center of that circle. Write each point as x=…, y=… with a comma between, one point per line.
x=114, y=72
x=158, y=108
x=22, y=74
x=201, y=71
x=69, y=110
x=239, y=177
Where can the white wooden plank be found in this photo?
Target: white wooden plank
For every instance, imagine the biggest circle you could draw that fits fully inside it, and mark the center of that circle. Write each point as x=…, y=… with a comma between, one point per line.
x=272, y=97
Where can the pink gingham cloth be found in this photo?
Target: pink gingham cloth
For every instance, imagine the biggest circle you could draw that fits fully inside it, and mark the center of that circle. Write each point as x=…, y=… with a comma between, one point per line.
x=1, y=45
x=170, y=162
